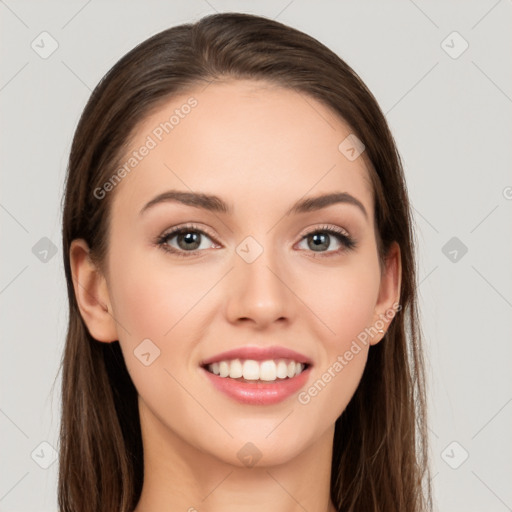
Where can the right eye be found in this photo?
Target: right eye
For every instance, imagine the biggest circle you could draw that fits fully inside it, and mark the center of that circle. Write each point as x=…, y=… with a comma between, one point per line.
x=187, y=239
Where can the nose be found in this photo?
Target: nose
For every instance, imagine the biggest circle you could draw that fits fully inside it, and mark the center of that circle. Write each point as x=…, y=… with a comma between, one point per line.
x=259, y=292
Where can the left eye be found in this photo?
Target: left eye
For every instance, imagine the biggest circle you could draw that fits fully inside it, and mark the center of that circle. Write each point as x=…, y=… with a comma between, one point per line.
x=320, y=240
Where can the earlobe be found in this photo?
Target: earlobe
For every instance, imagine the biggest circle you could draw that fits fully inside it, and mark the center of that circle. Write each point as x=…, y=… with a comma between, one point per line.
x=91, y=293
x=389, y=293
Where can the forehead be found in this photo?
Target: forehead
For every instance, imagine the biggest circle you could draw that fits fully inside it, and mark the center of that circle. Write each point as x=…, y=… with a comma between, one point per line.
x=243, y=139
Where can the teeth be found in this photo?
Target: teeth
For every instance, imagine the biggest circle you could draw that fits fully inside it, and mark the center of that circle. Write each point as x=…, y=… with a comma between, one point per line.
x=250, y=369
x=224, y=368
x=282, y=370
x=268, y=370
x=236, y=369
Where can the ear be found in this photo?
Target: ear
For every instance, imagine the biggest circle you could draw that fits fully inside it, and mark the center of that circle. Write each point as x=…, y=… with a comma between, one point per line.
x=91, y=293
x=389, y=292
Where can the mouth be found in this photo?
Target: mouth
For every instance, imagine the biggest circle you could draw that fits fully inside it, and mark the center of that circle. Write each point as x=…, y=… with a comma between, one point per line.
x=257, y=382
x=251, y=370
x=258, y=375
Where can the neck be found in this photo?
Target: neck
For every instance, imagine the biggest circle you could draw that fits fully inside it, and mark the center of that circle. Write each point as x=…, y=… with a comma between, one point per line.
x=177, y=476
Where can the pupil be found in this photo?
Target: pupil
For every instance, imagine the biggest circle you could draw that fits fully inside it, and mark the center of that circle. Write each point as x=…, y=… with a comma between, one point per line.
x=321, y=240
x=191, y=238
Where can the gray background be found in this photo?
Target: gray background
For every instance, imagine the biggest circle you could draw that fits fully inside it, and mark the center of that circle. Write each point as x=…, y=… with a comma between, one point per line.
x=450, y=113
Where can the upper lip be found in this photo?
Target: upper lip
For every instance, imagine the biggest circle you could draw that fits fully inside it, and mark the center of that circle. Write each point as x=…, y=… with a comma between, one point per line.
x=258, y=354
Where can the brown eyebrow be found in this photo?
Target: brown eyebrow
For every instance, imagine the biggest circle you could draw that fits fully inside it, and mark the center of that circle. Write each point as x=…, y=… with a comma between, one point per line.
x=322, y=201
x=195, y=199
x=216, y=204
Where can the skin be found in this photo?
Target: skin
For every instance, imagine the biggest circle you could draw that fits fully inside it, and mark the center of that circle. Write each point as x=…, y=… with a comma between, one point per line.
x=260, y=148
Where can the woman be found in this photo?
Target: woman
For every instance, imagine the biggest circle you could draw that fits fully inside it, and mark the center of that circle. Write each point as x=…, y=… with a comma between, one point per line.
x=238, y=250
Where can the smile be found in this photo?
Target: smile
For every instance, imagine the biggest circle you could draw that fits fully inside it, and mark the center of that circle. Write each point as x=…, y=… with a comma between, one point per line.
x=250, y=370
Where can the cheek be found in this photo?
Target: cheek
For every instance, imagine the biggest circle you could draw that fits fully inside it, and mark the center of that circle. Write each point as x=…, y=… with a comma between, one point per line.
x=345, y=302
x=150, y=298
x=155, y=301
x=164, y=303
x=342, y=299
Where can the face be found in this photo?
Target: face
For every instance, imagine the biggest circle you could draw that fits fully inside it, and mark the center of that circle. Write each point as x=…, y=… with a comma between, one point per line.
x=191, y=279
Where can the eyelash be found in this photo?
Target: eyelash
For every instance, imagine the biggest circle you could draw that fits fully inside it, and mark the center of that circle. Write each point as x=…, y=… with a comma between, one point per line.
x=347, y=241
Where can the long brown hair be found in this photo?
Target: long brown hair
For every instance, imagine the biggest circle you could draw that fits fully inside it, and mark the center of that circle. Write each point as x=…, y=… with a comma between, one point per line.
x=380, y=452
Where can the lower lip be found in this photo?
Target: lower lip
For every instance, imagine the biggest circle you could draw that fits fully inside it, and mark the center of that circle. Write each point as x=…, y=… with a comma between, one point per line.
x=259, y=393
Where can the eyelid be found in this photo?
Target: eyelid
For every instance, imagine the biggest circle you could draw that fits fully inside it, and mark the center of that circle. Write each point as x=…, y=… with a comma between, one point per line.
x=188, y=225
x=325, y=227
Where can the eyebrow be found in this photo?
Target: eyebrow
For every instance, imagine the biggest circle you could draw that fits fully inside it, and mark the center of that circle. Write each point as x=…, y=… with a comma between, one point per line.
x=216, y=204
